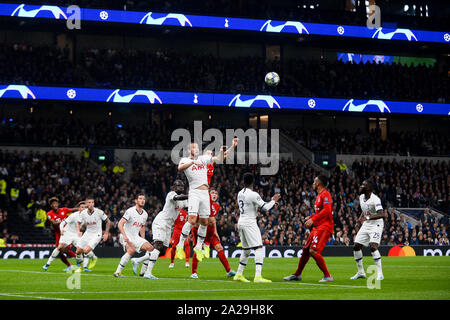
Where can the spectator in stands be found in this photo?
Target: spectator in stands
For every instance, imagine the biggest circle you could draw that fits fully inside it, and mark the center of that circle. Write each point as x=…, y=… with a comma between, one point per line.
x=41, y=217
x=3, y=220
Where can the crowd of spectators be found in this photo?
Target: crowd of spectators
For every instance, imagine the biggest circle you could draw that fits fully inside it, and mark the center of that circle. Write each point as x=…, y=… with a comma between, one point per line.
x=404, y=143
x=161, y=69
x=405, y=184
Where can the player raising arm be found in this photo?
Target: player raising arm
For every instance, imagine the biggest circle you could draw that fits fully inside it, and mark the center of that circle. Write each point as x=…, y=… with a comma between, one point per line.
x=322, y=228
x=249, y=202
x=91, y=217
x=371, y=230
x=130, y=226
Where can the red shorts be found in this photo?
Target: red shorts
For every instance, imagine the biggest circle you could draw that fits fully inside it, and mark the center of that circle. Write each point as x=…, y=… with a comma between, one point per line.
x=175, y=237
x=211, y=239
x=317, y=240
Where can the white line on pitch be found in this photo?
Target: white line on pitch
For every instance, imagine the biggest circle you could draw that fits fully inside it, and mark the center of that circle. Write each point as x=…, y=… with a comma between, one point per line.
x=34, y=297
x=197, y=280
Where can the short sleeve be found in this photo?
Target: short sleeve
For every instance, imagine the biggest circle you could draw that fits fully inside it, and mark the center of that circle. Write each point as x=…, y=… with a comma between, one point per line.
x=206, y=159
x=103, y=215
x=378, y=205
x=126, y=215
x=184, y=160
x=50, y=216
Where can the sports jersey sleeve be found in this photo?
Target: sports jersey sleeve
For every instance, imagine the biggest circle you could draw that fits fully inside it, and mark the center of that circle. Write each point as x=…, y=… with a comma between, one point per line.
x=103, y=215
x=66, y=210
x=50, y=216
x=184, y=161
x=205, y=159
x=262, y=205
x=326, y=210
x=126, y=215
x=378, y=205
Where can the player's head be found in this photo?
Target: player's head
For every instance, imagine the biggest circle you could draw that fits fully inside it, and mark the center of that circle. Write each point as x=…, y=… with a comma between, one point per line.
x=366, y=187
x=214, y=194
x=178, y=186
x=90, y=203
x=248, y=179
x=320, y=181
x=54, y=203
x=140, y=200
x=81, y=205
x=193, y=149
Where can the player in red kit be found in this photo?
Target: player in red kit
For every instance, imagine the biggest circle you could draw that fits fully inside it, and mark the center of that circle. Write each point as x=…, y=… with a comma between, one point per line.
x=56, y=215
x=212, y=238
x=322, y=228
x=178, y=226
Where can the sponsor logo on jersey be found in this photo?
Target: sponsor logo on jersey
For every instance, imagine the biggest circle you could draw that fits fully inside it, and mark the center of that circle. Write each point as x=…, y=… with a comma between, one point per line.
x=117, y=97
x=182, y=20
x=379, y=34
x=380, y=104
x=198, y=167
x=20, y=11
x=137, y=224
x=279, y=28
x=238, y=102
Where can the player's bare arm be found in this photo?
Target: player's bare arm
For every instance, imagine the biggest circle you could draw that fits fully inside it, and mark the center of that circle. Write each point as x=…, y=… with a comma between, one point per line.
x=122, y=231
x=184, y=166
x=230, y=149
x=106, y=233
x=180, y=197
x=378, y=215
x=219, y=157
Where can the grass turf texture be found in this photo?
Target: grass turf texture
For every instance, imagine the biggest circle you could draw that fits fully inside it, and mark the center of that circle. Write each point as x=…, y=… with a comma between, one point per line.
x=417, y=278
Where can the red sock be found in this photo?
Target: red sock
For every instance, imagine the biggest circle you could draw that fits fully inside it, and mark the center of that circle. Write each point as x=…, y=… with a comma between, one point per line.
x=63, y=258
x=302, y=262
x=224, y=260
x=70, y=253
x=194, y=263
x=172, y=254
x=321, y=264
x=187, y=250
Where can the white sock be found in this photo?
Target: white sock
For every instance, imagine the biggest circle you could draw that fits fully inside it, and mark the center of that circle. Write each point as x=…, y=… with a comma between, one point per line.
x=243, y=261
x=153, y=257
x=145, y=257
x=259, y=258
x=85, y=261
x=184, y=234
x=91, y=255
x=377, y=259
x=79, y=259
x=359, y=262
x=144, y=266
x=53, y=256
x=123, y=262
x=201, y=234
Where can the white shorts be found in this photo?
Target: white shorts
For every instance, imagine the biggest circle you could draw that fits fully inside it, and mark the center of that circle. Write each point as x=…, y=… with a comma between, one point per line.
x=161, y=233
x=69, y=238
x=370, y=233
x=91, y=240
x=250, y=235
x=199, y=202
x=137, y=242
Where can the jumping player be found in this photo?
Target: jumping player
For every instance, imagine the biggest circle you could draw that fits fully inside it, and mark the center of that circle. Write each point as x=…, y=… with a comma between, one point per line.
x=322, y=228
x=371, y=230
x=178, y=226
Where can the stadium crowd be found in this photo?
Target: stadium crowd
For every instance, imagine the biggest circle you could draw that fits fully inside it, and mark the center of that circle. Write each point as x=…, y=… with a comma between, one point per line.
x=71, y=177
x=170, y=70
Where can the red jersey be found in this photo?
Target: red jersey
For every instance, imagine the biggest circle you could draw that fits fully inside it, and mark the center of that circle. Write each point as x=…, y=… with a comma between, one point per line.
x=210, y=168
x=215, y=208
x=323, y=216
x=58, y=216
x=180, y=220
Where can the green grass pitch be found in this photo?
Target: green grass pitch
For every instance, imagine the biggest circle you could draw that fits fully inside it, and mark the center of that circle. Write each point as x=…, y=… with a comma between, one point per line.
x=417, y=278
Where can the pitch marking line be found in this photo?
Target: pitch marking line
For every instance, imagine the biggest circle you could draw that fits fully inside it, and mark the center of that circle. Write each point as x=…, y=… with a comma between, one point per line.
x=33, y=297
x=206, y=280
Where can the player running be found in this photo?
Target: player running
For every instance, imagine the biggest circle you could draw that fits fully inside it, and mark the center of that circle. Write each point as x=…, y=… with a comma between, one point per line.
x=162, y=229
x=178, y=226
x=322, y=228
x=92, y=217
x=130, y=226
x=249, y=202
x=56, y=215
x=69, y=235
x=212, y=238
x=371, y=230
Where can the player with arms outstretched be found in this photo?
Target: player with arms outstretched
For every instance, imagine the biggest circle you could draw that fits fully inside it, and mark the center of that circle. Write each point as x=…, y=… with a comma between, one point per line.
x=371, y=230
x=56, y=215
x=249, y=202
x=132, y=233
x=178, y=226
x=92, y=218
x=322, y=228
x=212, y=238
x=69, y=235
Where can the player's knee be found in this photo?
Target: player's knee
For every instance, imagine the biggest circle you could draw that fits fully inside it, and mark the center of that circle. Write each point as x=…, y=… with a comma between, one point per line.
x=357, y=247
x=373, y=247
x=147, y=247
x=131, y=251
x=158, y=245
x=312, y=252
x=218, y=247
x=86, y=250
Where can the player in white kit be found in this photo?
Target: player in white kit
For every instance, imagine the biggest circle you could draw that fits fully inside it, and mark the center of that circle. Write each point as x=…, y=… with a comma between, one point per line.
x=132, y=233
x=69, y=234
x=371, y=230
x=162, y=229
x=91, y=217
x=249, y=203
x=196, y=171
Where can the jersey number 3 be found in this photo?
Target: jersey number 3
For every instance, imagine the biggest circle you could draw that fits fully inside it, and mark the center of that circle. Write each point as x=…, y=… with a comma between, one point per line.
x=241, y=204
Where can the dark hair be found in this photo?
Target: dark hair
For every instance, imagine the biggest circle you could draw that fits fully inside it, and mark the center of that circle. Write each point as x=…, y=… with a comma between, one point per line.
x=370, y=184
x=53, y=199
x=323, y=179
x=178, y=182
x=80, y=203
x=248, y=179
x=140, y=194
x=90, y=198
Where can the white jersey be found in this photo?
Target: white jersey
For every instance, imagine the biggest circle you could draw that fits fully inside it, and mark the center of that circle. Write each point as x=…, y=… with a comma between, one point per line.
x=135, y=221
x=170, y=211
x=70, y=223
x=249, y=202
x=370, y=207
x=197, y=175
x=92, y=220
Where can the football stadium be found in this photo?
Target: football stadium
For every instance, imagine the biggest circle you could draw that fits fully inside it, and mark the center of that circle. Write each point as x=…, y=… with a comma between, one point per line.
x=234, y=150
